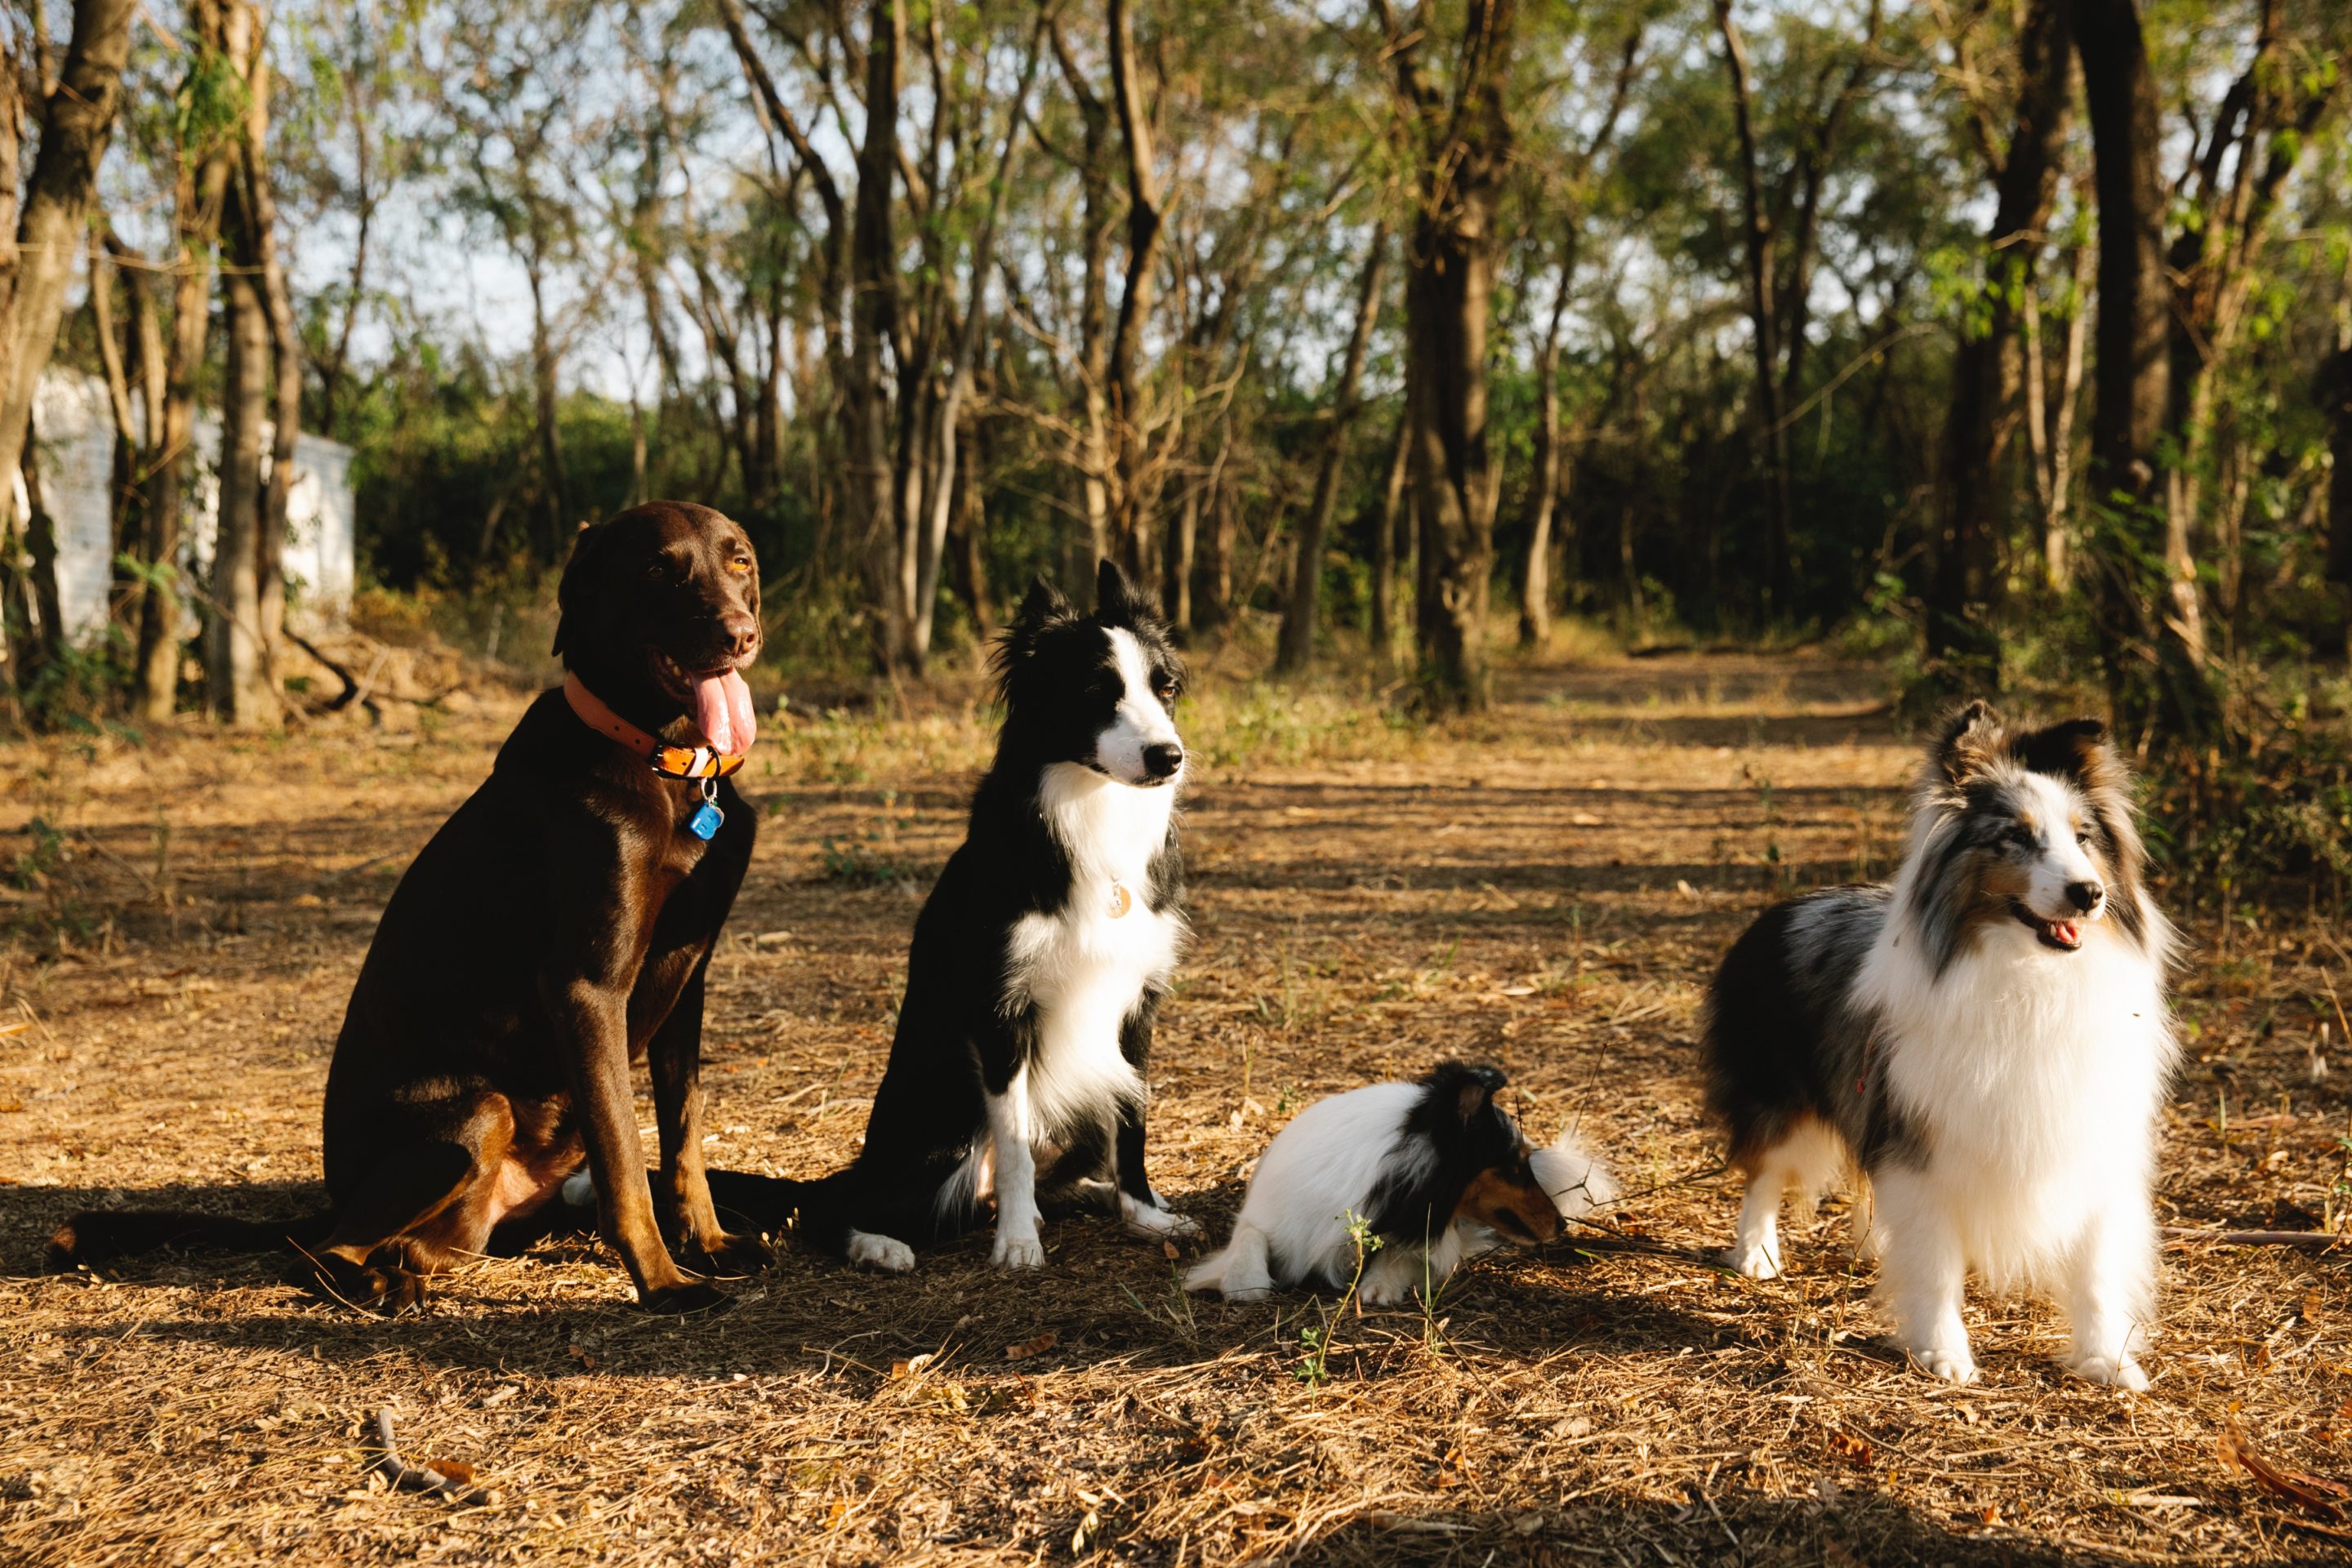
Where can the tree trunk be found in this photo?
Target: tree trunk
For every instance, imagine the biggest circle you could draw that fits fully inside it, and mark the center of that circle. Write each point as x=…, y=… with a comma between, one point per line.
x=1464, y=148
x=1543, y=480
x=1963, y=640
x=47, y=233
x=1386, y=526
x=285, y=365
x=874, y=310
x=2150, y=634
x=1758, y=242
x=233, y=656
x=1294, y=647
x=1130, y=523
x=545, y=410
x=1212, y=601
x=1094, y=463
x=2333, y=393
x=201, y=182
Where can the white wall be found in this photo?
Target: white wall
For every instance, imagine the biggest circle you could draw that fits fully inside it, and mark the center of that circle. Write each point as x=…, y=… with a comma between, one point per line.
x=75, y=431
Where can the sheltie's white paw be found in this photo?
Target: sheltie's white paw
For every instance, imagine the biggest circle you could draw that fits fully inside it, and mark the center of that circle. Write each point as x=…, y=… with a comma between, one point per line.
x=1754, y=1261
x=1951, y=1363
x=1017, y=1252
x=2123, y=1373
x=1153, y=1222
x=885, y=1253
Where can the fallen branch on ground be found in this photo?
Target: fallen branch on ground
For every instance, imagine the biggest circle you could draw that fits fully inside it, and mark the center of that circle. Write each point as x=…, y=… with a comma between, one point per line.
x=2317, y=1240
x=452, y=1480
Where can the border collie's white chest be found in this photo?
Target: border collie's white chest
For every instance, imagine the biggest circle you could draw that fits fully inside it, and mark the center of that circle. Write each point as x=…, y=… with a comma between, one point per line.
x=1085, y=966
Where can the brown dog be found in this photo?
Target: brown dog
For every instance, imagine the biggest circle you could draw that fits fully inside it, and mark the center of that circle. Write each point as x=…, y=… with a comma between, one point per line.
x=555, y=931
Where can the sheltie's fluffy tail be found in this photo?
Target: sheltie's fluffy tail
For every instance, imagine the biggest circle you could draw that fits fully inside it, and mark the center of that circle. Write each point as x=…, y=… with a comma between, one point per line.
x=1577, y=1183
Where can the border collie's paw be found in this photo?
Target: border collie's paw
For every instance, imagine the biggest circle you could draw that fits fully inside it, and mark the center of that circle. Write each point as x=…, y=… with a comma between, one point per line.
x=1154, y=1220
x=1017, y=1252
x=1755, y=1262
x=2123, y=1373
x=886, y=1253
x=1951, y=1364
x=1372, y=1291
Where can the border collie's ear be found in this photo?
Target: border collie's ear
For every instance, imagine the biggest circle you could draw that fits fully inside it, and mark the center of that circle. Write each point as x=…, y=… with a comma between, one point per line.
x=1116, y=603
x=1044, y=603
x=1966, y=745
x=2072, y=749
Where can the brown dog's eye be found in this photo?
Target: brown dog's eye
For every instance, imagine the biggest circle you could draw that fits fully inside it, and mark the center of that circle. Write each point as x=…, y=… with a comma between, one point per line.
x=740, y=565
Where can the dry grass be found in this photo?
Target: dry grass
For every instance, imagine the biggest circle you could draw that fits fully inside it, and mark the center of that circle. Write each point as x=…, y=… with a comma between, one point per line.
x=1546, y=887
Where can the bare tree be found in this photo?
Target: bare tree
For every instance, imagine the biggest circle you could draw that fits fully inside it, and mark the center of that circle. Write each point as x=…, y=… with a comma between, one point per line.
x=2151, y=638
x=203, y=159
x=1460, y=142
x=1294, y=647
x=1962, y=640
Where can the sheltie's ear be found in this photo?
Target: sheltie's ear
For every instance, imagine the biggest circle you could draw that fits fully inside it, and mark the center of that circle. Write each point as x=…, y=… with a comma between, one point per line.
x=1967, y=744
x=2075, y=749
x=1473, y=1087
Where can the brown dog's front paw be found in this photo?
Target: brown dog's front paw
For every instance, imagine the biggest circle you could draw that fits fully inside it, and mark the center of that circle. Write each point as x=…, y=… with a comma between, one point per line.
x=728, y=1257
x=693, y=1296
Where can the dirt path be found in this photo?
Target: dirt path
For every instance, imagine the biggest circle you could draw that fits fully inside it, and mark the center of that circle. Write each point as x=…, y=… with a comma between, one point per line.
x=1546, y=889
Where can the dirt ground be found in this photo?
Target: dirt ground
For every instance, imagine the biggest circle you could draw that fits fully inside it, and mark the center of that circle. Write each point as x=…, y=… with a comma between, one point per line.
x=1546, y=889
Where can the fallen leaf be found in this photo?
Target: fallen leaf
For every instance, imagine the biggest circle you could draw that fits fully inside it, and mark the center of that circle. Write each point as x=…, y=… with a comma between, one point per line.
x=911, y=1365
x=586, y=1358
x=1847, y=1447
x=1028, y=1348
x=1584, y=819
x=1517, y=990
x=1169, y=1249
x=455, y=1471
x=2315, y=1493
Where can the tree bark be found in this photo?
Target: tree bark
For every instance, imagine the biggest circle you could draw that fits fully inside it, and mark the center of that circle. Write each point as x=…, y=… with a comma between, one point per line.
x=2149, y=632
x=2333, y=393
x=1543, y=480
x=198, y=189
x=1461, y=150
x=1963, y=640
x=47, y=233
x=1131, y=521
x=1388, y=526
x=1758, y=242
x=286, y=369
x=1295, y=647
x=232, y=657
x=874, y=310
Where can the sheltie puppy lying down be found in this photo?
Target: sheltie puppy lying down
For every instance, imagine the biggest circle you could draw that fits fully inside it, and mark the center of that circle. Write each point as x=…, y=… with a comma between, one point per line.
x=1434, y=1171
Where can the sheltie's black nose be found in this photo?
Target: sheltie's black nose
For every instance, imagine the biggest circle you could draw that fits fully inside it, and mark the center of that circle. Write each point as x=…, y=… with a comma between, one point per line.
x=2084, y=896
x=1162, y=758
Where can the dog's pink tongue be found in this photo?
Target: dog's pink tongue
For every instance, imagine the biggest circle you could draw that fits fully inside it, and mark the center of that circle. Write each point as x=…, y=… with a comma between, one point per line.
x=722, y=709
x=2067, y=931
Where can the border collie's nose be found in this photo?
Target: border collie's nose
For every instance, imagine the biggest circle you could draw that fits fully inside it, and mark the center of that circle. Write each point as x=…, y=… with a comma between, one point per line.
x=1162, y=758
x=2084, y=896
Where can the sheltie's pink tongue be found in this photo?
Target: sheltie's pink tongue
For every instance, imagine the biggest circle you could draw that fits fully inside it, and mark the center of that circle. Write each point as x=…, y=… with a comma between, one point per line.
x=2067, y=931
x=722, y=710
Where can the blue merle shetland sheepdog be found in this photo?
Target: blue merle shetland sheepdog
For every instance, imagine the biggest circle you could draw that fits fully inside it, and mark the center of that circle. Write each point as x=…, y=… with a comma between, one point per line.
x=1986, y=1042
x=1038, y=964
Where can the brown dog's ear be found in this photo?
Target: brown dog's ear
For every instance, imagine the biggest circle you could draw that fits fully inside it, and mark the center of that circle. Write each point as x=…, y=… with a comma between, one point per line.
x=1970, y=740
x=586, y=543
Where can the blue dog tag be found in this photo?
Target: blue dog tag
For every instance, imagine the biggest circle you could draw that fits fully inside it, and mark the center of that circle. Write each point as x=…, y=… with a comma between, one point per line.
x=705, y=821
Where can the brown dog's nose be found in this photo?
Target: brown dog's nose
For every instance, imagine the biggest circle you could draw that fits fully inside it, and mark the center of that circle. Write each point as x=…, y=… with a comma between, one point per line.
x=742, y=636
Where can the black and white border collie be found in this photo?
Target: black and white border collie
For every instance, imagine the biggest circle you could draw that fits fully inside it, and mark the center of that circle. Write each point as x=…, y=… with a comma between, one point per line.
x=1986, y=1040
x=1435, y=1170
x=1038, y=965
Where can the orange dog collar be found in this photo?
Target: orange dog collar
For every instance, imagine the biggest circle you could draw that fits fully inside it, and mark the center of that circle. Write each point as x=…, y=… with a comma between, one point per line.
x=673, y=761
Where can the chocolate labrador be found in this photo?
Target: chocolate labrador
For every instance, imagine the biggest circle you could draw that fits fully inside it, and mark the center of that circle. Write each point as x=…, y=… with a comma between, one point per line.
x=555, y=931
